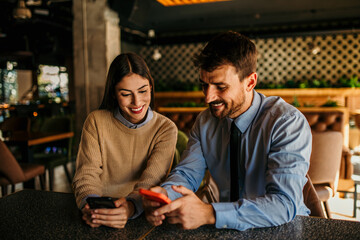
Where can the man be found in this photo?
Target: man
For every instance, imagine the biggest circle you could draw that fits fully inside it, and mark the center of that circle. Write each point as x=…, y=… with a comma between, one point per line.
x=273, y=147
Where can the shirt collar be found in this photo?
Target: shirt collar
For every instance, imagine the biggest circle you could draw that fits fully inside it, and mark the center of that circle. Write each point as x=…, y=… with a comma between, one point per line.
x=245, y=119
x=123, y=120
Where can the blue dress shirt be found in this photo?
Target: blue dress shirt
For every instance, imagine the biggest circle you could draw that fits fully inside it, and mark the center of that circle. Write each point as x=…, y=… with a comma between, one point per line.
x=276, y=145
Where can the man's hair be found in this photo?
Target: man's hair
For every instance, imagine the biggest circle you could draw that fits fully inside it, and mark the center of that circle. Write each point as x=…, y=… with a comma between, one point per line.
x=230, y=48
x=124, y=65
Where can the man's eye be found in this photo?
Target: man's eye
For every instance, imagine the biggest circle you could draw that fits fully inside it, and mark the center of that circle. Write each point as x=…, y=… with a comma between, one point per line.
x=221, y=88
x=204, y=86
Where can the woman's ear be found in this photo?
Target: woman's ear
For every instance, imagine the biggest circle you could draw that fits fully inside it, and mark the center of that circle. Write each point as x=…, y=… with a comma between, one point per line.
x=251, y=81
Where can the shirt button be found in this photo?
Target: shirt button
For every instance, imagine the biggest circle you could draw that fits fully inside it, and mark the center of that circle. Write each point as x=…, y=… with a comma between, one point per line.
x=225, y=226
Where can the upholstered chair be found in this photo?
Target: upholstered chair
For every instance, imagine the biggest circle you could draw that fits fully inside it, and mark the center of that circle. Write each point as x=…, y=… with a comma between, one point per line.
x=311, y=199
x=12, y=172
x=325, y=164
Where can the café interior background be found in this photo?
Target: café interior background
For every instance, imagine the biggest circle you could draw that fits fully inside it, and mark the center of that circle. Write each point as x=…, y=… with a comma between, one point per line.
x=302, y=41
x=300, y=58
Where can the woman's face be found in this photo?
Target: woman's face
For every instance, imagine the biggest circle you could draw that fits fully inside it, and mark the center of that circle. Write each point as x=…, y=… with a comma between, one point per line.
x=133, y=94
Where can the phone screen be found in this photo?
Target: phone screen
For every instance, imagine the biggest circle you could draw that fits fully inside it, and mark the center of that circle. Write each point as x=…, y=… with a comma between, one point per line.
x=100, y=202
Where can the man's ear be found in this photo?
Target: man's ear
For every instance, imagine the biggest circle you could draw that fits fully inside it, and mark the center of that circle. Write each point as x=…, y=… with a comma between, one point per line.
x=251, y=81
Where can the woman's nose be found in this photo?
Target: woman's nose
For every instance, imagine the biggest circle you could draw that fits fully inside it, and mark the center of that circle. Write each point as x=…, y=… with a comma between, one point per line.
x=135, y=100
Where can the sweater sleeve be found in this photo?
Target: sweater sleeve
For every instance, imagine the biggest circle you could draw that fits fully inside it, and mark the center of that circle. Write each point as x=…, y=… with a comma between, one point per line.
x=88, y=163
x=158, y=164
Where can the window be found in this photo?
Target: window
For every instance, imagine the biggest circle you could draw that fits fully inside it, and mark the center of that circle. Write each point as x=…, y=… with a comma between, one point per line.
x=53, y=83
x=8, y=84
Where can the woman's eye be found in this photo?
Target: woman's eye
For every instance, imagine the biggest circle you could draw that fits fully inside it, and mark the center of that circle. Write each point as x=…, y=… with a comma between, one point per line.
x=125, y=95
x=144, y=91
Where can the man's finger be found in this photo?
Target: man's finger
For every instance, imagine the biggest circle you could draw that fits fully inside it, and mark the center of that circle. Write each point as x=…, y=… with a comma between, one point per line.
x=155, y=218
x=172, y=214
x=174, y=220
x=182, y=190
x=155, y=221
x=149, y=203
x=168, y=207
x=158, y=190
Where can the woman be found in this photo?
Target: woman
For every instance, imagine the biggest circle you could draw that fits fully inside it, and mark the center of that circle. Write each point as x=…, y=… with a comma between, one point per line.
x=124, y=146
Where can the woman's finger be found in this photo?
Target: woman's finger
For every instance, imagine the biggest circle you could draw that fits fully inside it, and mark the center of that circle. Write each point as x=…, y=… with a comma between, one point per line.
x=120, y=202
x=110, y=211
x=109, y=223
x=118, y=217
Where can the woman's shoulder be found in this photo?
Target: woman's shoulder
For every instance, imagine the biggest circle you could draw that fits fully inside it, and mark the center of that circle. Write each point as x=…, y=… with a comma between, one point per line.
x=99, y=115
x=163, y=128
x=163, y=120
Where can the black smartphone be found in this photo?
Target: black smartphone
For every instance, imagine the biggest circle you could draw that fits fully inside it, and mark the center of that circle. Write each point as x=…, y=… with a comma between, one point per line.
x=100, y=202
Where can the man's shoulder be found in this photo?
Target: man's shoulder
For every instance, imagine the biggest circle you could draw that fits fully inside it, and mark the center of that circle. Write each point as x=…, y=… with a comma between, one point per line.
x=205, y=115
x=277, y=107
x=205, y=118
x=207, y=123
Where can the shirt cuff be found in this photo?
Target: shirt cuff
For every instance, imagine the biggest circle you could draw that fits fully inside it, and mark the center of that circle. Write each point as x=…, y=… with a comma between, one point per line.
x=136, y=199
x=83, y=202
x=227, y=216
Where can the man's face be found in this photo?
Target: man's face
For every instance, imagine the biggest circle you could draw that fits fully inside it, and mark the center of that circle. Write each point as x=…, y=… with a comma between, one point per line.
x=226, y=95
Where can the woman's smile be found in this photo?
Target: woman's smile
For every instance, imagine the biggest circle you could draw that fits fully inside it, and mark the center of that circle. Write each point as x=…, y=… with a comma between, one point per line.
x=137, y=110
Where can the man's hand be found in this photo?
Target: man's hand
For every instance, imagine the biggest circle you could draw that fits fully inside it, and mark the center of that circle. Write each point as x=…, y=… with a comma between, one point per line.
x=111, y=217
x=188, y=211
x=151, y=206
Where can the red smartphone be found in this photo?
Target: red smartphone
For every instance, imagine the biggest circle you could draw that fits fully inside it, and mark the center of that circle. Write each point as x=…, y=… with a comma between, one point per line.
x=158, y=197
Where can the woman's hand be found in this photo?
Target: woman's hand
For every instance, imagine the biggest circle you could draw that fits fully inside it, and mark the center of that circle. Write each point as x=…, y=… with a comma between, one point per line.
x=111, y=217
x=87, y=216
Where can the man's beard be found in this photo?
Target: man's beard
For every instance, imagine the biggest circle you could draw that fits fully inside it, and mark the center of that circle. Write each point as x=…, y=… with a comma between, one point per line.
x=222, y=114
x=225, y=112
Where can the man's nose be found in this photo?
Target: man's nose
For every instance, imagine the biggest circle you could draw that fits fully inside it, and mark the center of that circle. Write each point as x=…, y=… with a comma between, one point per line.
x=210, y=94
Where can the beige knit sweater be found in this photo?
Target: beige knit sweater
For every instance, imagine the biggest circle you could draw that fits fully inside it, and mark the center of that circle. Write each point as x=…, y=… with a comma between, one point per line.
x=116, y=161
